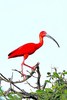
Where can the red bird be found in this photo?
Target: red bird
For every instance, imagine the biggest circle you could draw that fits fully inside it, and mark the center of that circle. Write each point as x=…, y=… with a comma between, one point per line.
x=28, y=49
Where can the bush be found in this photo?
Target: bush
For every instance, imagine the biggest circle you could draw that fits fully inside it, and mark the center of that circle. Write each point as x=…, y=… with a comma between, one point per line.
x=57, y=91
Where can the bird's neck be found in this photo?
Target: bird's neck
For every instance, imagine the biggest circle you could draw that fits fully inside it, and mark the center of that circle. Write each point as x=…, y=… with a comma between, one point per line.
x=40, y=42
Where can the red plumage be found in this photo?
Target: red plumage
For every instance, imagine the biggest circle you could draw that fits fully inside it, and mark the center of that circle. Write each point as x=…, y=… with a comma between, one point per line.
x=28, y=49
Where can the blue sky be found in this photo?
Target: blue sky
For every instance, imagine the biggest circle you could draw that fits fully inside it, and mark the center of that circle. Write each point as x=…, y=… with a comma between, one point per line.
x=21, y=21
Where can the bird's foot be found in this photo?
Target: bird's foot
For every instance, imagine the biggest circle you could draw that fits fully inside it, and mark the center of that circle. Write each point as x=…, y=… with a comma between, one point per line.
x=33, y=68
x=23, y=75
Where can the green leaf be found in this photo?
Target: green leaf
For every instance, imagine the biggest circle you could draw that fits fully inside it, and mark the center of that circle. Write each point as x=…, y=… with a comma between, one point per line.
x=47, y=81
x=13, y=97
x=48, y=73
x=1, y=91
x=48, y=90
x=55, y=75
x=63, y=97
x=64, y=73
x=40, y=91
x=65, y=91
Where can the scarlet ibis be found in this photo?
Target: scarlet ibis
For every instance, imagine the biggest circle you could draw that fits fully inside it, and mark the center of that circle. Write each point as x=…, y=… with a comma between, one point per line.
x=29, y=48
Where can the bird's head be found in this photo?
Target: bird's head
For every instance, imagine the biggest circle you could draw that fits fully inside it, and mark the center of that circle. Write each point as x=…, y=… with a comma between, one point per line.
x=44, y=34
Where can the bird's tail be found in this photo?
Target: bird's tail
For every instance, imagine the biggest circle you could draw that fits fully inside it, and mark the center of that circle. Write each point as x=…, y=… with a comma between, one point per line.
x=12, y=54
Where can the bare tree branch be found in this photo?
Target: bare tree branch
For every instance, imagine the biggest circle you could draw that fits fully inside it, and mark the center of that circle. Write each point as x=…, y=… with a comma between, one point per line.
x=20, y=81
x=28, y=76
x=22, y=91
x=26, y=94
x=38, y=79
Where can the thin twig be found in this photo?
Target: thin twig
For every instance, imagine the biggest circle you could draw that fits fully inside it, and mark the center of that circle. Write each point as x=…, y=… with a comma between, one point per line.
x=17, y=71
x=38, y=79
x=44, y=85
x=20, y=81
x=26, y=94
x=31, y=85
x=32, y=75
x=27, y=76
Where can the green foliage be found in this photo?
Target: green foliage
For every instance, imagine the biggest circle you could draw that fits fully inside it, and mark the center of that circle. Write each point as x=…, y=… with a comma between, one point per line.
x=57, y=91
x=44, y=94
x=9, y=96
x=1, y=91
x=13, y=96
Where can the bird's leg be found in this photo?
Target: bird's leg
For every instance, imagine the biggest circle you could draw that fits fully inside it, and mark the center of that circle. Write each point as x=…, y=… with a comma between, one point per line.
x=24, y=75
x=33, y=68
x=25, y=57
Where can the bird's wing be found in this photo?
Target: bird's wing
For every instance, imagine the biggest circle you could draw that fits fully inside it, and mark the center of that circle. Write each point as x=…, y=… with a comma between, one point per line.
x=14, y=53
x=28, y=48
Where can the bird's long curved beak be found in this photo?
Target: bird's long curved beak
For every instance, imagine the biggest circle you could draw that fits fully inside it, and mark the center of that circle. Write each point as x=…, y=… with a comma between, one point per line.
x=53, y=39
